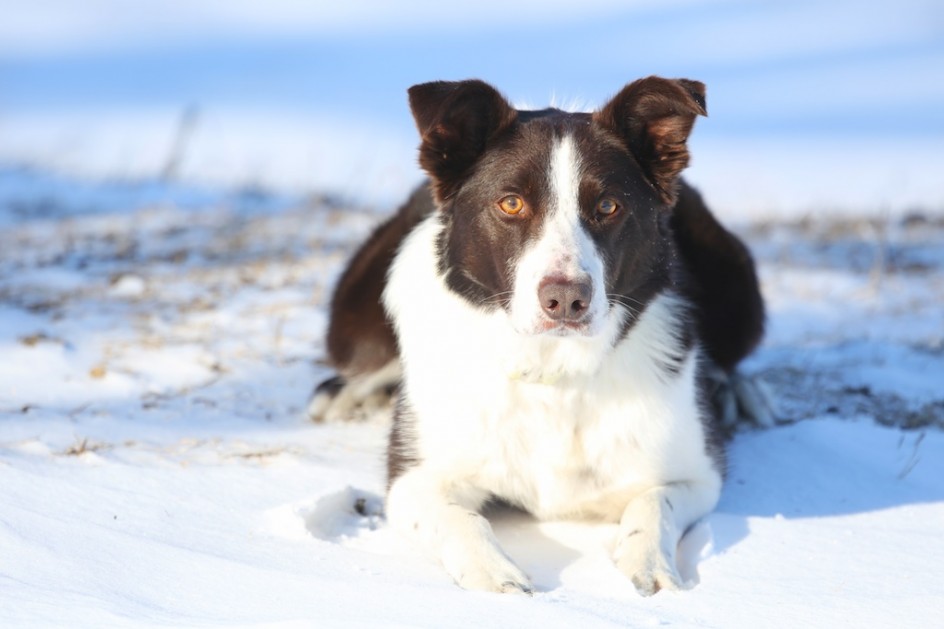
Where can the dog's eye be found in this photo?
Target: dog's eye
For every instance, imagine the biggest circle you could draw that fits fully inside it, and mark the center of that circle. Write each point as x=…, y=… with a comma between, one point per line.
x=512, y=204
x=607, y=207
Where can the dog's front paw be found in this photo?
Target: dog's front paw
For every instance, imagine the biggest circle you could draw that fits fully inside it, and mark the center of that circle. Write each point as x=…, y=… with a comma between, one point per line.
x=648, y=567
x=489, y=572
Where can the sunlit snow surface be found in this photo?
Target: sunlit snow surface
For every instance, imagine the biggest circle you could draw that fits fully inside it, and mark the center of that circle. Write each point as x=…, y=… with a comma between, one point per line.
x=159, y=343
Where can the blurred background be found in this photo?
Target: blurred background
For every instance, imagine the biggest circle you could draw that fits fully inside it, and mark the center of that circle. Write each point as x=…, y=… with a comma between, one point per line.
x=813, y=106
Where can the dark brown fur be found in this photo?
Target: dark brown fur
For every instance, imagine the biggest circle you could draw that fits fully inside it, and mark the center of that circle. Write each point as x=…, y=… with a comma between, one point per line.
x=360, y=337
x=456, y=121
x=723, y=282
x=461, y=122
x=724, y=287
x=655, y=118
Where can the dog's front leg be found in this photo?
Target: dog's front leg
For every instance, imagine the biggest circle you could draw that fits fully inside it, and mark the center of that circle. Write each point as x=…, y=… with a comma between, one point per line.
x=650, y=530
x=444, y=519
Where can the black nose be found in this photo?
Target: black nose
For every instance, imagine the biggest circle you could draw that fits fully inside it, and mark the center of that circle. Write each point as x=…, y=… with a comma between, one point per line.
x=565, y=299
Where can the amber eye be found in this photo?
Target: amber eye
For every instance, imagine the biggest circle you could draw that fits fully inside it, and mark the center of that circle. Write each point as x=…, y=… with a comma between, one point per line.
x=607, y=207
x=512, y=204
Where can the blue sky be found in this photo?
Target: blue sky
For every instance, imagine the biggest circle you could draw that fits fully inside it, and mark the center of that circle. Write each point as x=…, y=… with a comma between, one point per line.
x=788, y=67
x=774, y=70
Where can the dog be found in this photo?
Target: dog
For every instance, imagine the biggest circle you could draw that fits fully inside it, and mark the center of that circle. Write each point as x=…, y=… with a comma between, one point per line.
x=548, y=311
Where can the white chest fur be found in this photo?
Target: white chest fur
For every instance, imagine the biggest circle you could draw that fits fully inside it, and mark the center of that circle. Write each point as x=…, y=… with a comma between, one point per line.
x=569, y=426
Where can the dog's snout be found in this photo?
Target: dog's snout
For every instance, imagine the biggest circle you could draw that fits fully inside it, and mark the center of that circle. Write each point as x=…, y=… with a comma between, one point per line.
x=564, y=299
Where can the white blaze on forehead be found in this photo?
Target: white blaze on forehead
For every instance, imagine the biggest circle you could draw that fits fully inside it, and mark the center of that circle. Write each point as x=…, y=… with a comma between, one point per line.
x=571, y=252
x=563, y=248
x=565, y=182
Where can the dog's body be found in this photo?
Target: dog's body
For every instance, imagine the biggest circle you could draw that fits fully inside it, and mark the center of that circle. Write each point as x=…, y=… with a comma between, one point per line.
x=557, y=298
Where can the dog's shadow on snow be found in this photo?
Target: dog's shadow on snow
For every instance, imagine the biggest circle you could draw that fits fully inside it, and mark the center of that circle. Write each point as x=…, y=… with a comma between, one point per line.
x=354, y=518
x=544, y=550
x=823, y=468
x=808, y=470
x=541, y=556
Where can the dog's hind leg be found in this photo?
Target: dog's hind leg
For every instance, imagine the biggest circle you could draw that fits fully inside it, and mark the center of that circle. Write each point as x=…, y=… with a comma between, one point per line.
x=723, y=286
x=736, y=398
x=360, y=341
x=730, y=310
x=356, y=397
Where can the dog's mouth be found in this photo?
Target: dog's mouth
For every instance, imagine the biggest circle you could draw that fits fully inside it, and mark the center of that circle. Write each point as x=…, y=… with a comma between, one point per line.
x=550, y=327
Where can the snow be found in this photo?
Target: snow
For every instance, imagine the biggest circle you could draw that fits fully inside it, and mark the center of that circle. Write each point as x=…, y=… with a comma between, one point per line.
x=156, y=468
x=161, y=324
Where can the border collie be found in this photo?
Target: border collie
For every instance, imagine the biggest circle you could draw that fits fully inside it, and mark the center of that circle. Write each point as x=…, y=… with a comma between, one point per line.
x=548, y=311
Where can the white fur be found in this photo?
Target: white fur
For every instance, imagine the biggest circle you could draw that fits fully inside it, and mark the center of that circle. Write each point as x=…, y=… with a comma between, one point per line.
x=564, y=426
x=563, y=248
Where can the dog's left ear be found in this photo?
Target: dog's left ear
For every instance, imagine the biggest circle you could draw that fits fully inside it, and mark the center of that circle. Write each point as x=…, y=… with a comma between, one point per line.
x=654, y=117
x=456, y=121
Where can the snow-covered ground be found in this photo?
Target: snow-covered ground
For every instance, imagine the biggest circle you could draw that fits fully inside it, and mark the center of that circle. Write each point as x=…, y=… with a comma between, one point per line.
x=158, y=345
x=159, y=337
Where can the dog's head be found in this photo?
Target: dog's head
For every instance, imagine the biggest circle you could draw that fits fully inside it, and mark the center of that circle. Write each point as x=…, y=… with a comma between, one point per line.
x=558, y=218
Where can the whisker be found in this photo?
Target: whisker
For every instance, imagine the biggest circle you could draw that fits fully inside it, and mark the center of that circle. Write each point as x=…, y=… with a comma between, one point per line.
x=627, y=307
x=498, y=298
x=625, y=298
x=491, y=299
x=622, y=301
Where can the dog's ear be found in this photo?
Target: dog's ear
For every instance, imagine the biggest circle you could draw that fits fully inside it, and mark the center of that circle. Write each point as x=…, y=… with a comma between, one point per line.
x=456, y=121
x=654, y=116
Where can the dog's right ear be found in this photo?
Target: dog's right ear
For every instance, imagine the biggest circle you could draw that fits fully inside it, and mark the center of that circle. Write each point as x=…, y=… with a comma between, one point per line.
x=456, y=121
